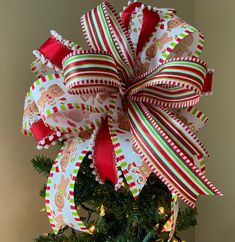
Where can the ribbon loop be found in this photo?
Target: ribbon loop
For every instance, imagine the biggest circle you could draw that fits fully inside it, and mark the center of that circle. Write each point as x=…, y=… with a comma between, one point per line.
x=51, y=112
x=60, y=202
x=172, y=38
x=90, y=72
x=141, y=22
x=53, y=51
x=177, y=83
x=104, y=31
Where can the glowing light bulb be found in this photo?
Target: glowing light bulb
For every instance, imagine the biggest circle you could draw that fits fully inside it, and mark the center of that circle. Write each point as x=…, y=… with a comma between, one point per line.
x=161, y=210
x=102, y=211
x=92, y=229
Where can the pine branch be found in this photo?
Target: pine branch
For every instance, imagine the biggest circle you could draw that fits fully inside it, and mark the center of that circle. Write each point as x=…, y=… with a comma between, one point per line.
x=125, y=219
x=42, y=165
x=42, y=192
x=186, y=219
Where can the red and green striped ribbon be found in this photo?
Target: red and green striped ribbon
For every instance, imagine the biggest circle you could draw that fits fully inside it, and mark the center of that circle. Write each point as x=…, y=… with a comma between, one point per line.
x=167, y=160
x=185, y=139
x=104, y=31
x=90, y=72
x=174, y=128
x=183, y=136
x=175, y=84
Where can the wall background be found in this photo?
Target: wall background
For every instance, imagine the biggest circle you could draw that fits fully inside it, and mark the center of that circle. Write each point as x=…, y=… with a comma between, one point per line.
x=24, y=26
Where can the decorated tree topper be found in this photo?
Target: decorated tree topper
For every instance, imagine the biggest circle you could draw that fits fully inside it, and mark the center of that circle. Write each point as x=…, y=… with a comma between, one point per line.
x=128, y=101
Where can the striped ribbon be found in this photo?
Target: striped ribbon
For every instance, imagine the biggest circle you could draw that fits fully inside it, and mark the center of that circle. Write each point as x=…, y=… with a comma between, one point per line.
x=90, y=72
x=166, y=145
x=175, y=84
x=171, y=165
x=104, y=31
x=185, y=138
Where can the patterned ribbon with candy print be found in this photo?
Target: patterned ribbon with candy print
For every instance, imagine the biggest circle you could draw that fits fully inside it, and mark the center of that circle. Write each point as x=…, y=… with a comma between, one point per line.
x=133, y=93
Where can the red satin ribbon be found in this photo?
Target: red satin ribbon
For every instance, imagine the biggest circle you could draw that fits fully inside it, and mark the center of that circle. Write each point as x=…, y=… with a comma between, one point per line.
x=150, y=21
x=207, y=88
x=41, y=131
x=104, y=155
x=54, y=51
x=126, y=15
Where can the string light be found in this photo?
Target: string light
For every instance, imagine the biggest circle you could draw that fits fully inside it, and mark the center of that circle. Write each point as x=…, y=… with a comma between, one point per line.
x=102, y=211
x=175, y=240
x=92, y=229
x=43, y=210
x=161, y=210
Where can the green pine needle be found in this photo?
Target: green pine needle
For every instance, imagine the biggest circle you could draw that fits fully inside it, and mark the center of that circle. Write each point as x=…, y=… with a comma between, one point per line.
x=126, y=219
x=42, y=165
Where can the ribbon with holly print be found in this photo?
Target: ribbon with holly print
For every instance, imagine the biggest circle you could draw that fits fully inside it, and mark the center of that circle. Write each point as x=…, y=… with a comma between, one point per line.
x=133, y=93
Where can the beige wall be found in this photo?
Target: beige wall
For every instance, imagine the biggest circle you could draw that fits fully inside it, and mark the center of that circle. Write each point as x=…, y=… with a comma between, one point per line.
x=24, y=24
x=217, y=216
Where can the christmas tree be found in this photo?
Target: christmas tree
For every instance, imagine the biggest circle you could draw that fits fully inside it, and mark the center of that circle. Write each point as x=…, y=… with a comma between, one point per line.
x=115, y=216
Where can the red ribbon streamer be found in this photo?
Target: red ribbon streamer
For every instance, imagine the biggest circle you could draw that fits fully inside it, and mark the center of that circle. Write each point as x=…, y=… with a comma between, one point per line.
x=104, y=155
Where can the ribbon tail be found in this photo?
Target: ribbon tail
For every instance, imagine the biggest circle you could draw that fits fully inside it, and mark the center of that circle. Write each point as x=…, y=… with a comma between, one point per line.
x=194, y=120
x=179, y=128
x=166, y=159
x=60, y=202
x=104, y=156
x=170, y=226
x=135, y=170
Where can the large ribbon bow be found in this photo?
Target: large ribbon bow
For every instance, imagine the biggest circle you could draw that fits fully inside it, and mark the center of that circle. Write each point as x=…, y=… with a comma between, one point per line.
x=128, y=100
